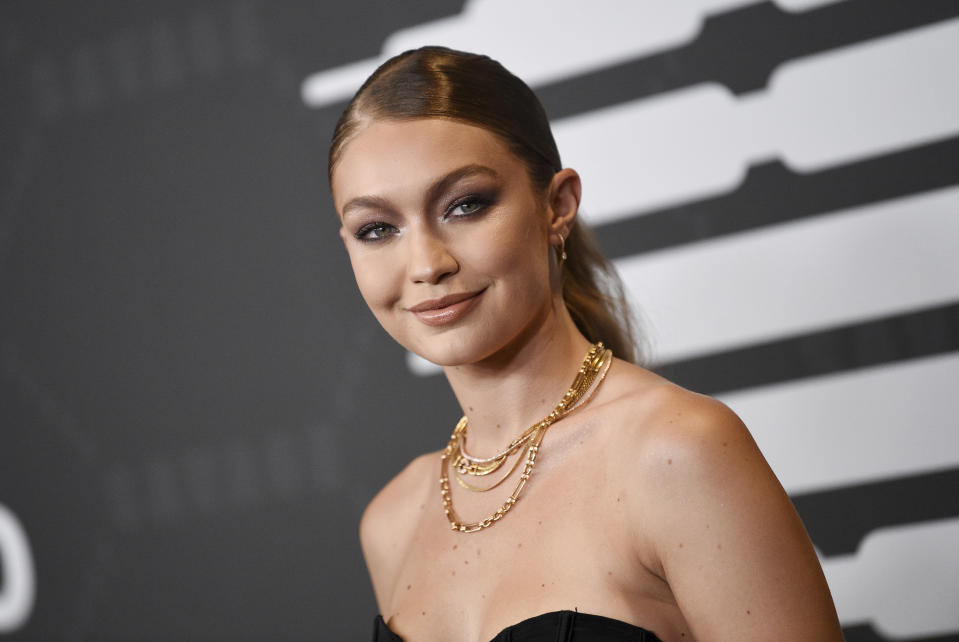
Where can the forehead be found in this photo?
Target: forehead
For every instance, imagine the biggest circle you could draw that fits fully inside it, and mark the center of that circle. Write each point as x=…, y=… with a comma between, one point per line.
x=391, y=156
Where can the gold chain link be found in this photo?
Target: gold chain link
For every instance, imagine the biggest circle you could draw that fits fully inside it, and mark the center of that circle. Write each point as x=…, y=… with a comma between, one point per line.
x=593, y=370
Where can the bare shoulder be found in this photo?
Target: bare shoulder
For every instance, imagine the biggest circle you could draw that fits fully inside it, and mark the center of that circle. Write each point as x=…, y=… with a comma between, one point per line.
x=686, y=444
x=658, y=418
x=712, y=519
x=389, y=521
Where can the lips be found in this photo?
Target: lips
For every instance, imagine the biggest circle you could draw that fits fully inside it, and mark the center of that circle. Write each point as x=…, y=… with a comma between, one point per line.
x=446, y=309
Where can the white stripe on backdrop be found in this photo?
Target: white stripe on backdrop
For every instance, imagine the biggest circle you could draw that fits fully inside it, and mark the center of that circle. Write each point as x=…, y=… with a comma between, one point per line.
x=818, y=112
x=798, y=277
x=895, y=580
x=544, y=40
x=854, y=427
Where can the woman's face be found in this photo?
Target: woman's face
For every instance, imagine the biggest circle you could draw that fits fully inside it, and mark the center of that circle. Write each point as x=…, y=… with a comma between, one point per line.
x=448, y=239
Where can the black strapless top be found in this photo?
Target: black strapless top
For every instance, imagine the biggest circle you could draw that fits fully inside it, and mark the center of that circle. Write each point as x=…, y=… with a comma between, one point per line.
x=558, y=626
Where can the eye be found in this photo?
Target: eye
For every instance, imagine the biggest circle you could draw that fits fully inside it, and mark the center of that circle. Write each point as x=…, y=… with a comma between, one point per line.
x=374, y=232
x=467, y=206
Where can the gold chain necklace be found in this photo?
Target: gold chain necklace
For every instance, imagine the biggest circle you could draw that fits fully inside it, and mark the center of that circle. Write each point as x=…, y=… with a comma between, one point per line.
x=579, y=394
x=592, y=370
x=465, y=464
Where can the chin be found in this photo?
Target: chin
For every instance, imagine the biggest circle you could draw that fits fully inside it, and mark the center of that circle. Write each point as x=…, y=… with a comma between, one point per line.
x=451, y=349
x=445, y=357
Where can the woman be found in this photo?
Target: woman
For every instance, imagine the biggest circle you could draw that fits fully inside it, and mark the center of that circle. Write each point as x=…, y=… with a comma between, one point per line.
x=618, y=507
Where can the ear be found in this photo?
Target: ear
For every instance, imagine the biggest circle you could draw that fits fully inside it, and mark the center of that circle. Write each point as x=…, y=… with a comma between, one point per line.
x=565, y=191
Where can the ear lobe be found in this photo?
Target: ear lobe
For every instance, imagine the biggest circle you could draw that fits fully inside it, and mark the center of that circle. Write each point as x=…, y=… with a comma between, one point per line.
x=565, y=191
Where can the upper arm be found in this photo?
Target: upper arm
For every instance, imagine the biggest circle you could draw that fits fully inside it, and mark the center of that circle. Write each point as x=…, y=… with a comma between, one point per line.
x=386, y=527
x=374, y=543
x=724, y=533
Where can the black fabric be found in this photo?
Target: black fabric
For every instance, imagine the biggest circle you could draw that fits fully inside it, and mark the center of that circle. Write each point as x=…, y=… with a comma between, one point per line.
x=559, y=626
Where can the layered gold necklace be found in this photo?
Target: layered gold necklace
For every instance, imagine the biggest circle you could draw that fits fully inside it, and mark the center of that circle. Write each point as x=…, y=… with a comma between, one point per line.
x=587, y=380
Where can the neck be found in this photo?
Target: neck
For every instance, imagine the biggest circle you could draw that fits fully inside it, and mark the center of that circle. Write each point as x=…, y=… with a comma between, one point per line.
x=509, y=391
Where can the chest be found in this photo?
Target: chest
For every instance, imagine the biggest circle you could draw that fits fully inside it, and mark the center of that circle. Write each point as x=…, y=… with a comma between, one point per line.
x=561, y=547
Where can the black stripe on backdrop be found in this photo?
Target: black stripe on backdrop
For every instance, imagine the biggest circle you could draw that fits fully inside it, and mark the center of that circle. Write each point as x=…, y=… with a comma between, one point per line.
x=865, y=633
x=879, y=341
x=766, y=28
x=839, y=518
x=771, y=193
x=726, y=50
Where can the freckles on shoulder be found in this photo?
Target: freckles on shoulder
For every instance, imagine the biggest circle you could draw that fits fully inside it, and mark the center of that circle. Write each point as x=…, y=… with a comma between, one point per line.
x=676, y=436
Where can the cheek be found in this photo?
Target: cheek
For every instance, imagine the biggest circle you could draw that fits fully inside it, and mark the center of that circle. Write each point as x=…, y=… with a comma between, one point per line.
x=374, y=278
x=519, y=250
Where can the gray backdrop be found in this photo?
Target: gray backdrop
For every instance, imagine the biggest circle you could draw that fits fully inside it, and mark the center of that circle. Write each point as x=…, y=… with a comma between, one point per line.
x=195, y=404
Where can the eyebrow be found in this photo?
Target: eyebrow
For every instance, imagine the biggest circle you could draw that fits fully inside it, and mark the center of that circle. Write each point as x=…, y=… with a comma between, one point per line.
x=432, y=193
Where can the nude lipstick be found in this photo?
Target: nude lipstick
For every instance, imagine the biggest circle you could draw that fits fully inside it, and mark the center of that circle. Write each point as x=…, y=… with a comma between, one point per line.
x=447, y=309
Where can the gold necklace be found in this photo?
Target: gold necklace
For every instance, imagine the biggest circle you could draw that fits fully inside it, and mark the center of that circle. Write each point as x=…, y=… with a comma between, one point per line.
x=466, y=464
x=577, y=399
x=593, y=369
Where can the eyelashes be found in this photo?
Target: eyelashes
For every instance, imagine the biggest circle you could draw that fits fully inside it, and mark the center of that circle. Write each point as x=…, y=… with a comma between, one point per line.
x=462, y=208
x=372, y=232
x=469, y=205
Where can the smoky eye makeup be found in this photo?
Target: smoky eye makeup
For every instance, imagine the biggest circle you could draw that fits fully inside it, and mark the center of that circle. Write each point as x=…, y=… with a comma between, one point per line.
x=471, y=202
x=460, y=203
x=374, y=231
x=468, y=205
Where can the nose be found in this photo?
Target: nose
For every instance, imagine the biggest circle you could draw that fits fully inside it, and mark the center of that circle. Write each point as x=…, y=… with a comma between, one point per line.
x=430, y=259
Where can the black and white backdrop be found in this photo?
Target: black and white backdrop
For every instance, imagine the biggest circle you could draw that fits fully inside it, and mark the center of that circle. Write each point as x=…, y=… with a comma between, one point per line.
x=195, y=404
